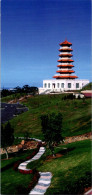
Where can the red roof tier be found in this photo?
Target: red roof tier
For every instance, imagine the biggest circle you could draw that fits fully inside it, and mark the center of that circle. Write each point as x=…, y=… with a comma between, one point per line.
x=65, y=77
x=65, y=49
x=66, y=55
x=65, y=60
x=65, y=71
x=66, y=65
x=65, y=43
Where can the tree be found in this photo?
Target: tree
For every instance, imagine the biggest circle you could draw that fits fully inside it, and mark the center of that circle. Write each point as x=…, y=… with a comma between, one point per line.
x=52, y=128
x=26, y=88
x=17, y=89
x=6, y=92
x=7, y=137
x=34, y=90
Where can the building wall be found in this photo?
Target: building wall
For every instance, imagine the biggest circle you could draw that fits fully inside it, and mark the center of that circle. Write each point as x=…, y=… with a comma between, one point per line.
x=64, y=84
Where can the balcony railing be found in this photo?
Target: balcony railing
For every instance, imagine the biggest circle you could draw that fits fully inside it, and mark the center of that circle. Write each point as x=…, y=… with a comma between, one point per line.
x=65, y=47
x=62, y=75
x=65, y=53
x=64, y=58
x=65, y=69
x=65, y=63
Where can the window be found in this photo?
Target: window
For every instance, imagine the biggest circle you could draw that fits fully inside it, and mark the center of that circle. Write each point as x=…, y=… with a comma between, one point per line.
x=69, y=85
x=62, y=85
x=48, y=85
x=53, y=85
x=77, y=85
x=58, y=85
x=45, y=85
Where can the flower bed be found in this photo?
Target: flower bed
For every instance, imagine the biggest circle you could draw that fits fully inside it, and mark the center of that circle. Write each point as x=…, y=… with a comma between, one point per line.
x=26, y=171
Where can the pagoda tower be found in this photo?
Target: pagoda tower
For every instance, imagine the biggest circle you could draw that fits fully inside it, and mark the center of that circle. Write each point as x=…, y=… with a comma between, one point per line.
x=65, y=62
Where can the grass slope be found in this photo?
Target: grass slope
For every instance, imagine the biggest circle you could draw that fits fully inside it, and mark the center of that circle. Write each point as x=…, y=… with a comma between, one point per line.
x=12, y=180
x=76, y=115
x=71, y=172
x=88, y=86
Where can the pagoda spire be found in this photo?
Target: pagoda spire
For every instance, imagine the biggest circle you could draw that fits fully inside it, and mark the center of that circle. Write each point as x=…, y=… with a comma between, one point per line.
x=65, y=62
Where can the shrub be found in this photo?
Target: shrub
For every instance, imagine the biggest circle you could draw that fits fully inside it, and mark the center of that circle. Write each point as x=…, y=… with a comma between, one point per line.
x=26, y=171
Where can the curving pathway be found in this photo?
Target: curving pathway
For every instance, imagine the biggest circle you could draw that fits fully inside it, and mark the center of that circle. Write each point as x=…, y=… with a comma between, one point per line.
x=45, y=177
x=43, y=183
x=23, y=165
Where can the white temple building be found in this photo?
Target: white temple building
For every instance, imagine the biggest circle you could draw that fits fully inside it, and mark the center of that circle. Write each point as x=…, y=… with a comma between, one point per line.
x=64, y=80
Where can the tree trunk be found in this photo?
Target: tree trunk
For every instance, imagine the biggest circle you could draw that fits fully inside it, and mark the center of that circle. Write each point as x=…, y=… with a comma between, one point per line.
x=51, y=147
x=6, y=153
x=53, y=154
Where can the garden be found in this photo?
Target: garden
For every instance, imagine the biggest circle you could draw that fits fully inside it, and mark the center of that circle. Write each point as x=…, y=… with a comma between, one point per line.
x=71, y=166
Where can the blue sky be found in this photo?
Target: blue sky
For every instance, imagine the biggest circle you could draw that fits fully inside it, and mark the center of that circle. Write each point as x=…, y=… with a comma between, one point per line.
x=31, y=31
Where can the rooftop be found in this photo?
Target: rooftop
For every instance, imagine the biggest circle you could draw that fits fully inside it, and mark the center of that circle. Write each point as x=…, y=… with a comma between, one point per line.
x=65, y=43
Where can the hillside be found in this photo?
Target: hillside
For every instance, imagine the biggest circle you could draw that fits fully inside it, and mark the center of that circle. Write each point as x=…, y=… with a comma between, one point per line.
x=88, y=87
x=76, y=115
x=72, y=163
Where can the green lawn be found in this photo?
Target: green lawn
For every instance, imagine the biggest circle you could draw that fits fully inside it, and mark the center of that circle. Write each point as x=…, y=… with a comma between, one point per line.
x=76, y=115
x=12, y=180
x=71, y=172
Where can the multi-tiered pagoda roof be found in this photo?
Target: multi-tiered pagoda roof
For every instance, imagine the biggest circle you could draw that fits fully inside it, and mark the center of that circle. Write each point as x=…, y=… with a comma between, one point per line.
x=65, y=62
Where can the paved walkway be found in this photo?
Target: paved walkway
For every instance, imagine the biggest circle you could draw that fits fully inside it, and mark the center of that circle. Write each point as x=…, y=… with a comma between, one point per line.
x=43, y=183
x=23, y=165
x=45, y=177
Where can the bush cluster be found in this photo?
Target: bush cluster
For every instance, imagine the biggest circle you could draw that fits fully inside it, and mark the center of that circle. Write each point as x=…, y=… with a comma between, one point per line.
x=25, y=89
x=26, y=171
x=69, y=96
